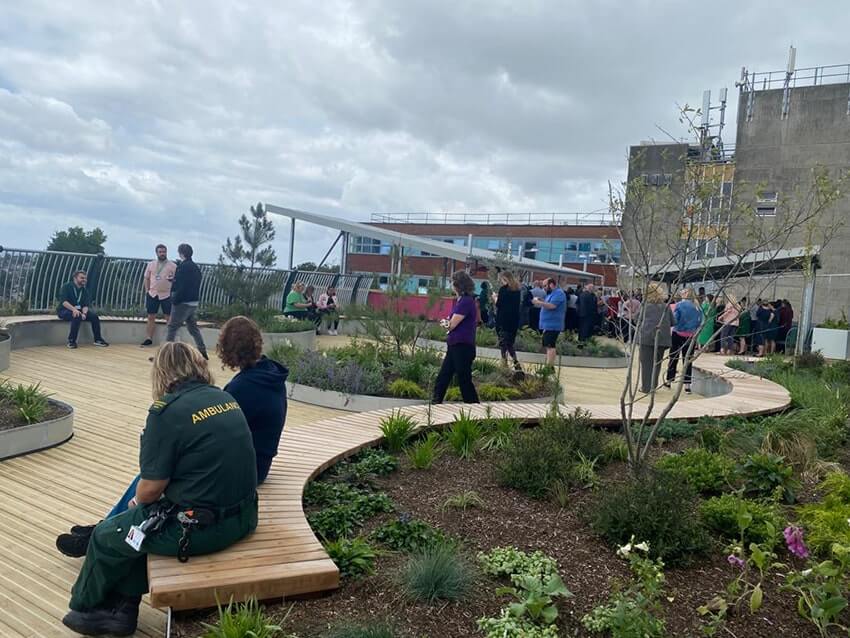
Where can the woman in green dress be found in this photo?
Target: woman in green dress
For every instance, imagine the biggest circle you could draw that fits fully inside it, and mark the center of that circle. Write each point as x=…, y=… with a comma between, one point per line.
x=709, y=313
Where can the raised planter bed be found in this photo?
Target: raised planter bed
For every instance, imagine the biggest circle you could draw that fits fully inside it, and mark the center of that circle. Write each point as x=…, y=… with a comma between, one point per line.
x=365, y=402
x=49, y=331
x=534, y=357
x=37, y=436
x=5, y=350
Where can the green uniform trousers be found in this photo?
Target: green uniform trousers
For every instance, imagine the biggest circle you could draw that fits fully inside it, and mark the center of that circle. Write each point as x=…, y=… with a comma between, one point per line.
x=113, y=567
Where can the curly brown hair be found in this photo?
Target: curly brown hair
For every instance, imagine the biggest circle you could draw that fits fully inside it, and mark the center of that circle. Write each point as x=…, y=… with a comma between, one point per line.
x=240, y=343
x=462, y=282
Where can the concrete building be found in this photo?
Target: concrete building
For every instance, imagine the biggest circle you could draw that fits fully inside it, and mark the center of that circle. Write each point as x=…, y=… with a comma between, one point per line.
x=576, y=241
x=788, y=126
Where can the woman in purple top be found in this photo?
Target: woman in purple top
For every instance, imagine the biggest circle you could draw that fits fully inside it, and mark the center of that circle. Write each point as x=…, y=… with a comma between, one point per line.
x=460, y=341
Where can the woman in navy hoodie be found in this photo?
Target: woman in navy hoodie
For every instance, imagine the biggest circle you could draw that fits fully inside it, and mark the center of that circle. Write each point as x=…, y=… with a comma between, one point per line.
x=259, y=388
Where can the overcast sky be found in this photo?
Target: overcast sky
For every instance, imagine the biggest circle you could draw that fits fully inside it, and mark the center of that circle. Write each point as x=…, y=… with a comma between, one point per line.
x=164, y=121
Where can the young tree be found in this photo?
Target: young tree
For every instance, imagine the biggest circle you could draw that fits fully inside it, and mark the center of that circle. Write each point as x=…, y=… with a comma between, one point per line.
x=245, y=265
x=669, y=232
x=310, y=266
x=77, y=240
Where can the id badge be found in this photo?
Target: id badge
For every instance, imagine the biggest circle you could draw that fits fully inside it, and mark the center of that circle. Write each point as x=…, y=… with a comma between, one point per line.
x=78, y=307
x=135, y=538
x=158, y=277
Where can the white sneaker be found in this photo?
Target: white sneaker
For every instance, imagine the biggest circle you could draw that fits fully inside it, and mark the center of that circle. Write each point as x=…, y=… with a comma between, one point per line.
x=333, y=333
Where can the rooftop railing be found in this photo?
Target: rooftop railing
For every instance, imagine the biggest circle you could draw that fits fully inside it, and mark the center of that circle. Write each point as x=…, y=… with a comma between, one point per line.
x=593, y=218
x=30, y=281
x=809, y=76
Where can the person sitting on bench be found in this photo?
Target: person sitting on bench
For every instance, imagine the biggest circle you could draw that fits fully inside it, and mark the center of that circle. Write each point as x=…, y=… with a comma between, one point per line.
x=197, y=494
x=74, y=306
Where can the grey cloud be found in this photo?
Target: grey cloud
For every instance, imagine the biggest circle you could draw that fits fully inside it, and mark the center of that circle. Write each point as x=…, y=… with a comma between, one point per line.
x=167, y=120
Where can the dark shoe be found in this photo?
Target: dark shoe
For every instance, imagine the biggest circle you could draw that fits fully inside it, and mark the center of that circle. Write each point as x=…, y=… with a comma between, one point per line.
x=72, y=345
x=688, y=389
x=100, y=343
x=82, y=530
x=120, y=620
x=73, y=545
x=146, y=343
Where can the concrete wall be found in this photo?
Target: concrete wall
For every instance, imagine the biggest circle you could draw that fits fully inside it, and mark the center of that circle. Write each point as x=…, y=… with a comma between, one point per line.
x=778, y=154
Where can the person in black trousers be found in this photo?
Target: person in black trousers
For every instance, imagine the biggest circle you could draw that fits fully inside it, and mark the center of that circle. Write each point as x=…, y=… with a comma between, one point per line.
x=185, y=295
x=588, y=312
x=460, y=342
x=507, y=316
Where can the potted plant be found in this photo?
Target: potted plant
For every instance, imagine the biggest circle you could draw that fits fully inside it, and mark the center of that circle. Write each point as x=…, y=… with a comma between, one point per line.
x=832, y=338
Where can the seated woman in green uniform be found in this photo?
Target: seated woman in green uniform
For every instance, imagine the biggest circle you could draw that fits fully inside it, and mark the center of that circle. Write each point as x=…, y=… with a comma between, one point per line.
x=196, y=459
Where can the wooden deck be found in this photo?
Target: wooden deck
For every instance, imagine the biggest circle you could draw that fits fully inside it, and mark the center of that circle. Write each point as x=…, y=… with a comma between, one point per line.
x=44, y=493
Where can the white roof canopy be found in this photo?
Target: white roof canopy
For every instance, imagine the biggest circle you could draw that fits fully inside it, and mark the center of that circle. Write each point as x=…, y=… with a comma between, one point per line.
x=433, y=246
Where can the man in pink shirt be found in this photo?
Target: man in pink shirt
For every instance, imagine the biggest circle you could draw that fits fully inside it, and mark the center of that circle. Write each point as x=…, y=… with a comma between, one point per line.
x=157, y=286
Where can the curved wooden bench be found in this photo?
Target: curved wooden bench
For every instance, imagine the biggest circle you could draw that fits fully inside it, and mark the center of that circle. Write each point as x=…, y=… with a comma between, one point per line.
x=284, y=557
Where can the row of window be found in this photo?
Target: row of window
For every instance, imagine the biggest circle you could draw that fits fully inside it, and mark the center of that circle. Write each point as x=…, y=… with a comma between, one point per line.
x=544, y=249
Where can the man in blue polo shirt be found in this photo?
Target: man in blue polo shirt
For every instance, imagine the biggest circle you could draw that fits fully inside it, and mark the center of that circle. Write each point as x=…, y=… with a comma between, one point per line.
x=552, y=311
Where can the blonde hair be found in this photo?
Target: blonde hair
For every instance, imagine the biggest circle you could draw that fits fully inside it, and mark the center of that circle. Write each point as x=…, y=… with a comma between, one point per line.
x=730, y=298
x=176, y=363
x=655, y=293
x=298, y=286
x=686, y=293
x=510, y=280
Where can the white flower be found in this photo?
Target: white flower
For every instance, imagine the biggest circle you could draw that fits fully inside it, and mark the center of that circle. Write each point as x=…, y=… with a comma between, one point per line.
x=806, y=572
x=625, y=550
x=644, y=547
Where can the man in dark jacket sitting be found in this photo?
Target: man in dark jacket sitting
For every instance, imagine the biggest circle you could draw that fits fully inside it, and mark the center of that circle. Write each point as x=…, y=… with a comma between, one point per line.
x=185, y=293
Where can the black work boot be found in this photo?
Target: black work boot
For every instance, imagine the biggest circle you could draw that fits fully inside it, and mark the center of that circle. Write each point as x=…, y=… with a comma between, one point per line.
x=119, y=619
x=73, y=545
x=83, y=530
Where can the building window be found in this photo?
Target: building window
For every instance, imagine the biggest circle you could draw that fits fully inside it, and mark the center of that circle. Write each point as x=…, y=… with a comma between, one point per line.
x=766, y=203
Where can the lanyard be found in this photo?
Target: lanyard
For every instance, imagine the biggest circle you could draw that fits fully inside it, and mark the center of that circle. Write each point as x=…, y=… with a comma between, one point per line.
x=159, y=267
x=79, y=294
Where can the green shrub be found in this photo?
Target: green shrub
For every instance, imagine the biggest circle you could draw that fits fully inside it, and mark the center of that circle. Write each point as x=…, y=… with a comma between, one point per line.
x=708, y=472
x=507, y=625
x=512, y=563
x=484, y=337
x=484, y=367
x=615, y=448
x=438, y=572
x=397, y=428
x=464, y=435
x=723, y=514
x=710, y=438
x=424, y=452
x=404, y=389
x=29, y=401
x=354, y=557
x=370, y=462
x=239, y=620
x=658, y=507
x=809, y=360
x=498, y=432
x=537, y=458
x=837, y=373
x=338, y=521
x=674, y=429
x=348, y=630
x=489, y=392
x=407, y=535
x=323, y=493
x=283, y=326
x=827, y=522
x=453, y=394
x=766, y=474
x=462, y=501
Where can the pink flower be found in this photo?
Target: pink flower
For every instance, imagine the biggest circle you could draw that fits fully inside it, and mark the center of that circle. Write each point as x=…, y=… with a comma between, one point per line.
x=735, y=561
x=794, y=540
